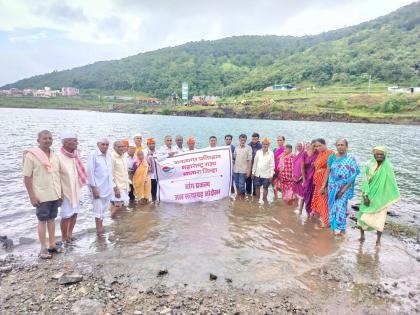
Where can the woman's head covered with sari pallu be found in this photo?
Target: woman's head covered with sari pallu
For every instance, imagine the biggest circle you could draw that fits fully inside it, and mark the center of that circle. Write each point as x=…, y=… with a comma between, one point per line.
x=379, y=183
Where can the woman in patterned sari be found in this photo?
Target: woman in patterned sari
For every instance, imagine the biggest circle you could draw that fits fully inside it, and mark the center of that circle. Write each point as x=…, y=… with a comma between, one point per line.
x=286, y=174
x=320, y=199
x=297, y=174
x=341, y=173
x=277, y=152
x=379, y=191
x=308, y=170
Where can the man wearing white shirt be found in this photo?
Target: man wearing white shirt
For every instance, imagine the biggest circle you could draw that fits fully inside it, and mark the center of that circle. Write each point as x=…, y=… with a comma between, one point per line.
x=100, y=182
x=179, y=140
x=263, y=169
x=167, y=150
x=150, y=155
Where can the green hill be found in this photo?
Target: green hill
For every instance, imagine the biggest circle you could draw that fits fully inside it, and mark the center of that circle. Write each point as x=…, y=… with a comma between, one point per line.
x=387, y=48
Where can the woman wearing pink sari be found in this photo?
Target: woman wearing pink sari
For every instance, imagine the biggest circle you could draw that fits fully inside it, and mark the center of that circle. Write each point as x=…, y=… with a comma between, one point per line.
x=286, y=174
x=308, y=170
x=277, y=152
x=297, y=173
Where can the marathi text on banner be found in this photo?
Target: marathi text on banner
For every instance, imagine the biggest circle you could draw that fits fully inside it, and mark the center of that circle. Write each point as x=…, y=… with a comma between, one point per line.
x=201, y=175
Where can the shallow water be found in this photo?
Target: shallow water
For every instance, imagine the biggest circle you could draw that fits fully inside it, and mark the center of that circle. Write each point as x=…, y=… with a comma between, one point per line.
x=255, y=244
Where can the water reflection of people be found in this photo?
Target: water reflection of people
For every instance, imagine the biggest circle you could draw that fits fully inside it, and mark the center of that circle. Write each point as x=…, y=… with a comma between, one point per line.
x=367, y=264
x=379, y=191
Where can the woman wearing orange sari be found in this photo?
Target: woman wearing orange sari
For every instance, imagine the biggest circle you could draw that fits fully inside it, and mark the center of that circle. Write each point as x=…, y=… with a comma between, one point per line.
x=141, y=180
x=320, y=199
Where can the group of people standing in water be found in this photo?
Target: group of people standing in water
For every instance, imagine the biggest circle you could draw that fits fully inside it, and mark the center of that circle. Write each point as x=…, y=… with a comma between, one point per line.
x=323, y=182
x=318, y=178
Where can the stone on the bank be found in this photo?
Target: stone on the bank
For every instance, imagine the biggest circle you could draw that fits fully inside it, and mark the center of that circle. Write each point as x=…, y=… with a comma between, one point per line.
x=212, y=277
x=165, y=311
x=87, y=307
x=69, y=279
x=26, y=240
x=162, y=272
x=57, y=276
x=5, y=269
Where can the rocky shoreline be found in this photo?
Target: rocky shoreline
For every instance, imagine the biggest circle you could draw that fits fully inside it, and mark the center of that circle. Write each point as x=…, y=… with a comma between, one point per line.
x=287, y=115
x=69, y=284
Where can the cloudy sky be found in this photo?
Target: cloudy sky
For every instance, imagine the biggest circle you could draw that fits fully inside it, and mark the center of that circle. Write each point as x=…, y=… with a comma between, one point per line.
x=46, y=35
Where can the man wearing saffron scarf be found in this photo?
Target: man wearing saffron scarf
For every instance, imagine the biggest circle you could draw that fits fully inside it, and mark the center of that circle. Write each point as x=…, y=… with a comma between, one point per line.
x=42, y=181
x=73, y=177
x=101, y=183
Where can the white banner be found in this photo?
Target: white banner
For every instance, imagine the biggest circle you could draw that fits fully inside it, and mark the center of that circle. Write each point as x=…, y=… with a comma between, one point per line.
x=201, y=175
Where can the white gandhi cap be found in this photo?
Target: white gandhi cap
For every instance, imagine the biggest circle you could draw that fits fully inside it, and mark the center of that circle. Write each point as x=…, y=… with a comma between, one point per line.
x=68, y=135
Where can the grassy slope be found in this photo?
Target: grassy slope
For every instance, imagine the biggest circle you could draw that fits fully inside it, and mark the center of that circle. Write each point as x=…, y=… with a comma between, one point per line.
x=326, y=103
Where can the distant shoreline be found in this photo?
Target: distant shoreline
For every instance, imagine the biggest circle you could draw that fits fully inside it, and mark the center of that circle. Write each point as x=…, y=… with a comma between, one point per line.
x=227, y=113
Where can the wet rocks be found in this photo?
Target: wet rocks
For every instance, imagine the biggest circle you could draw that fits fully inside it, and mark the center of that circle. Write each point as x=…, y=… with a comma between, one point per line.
x=26, y=240
x=393, y=214
x=162, y=272
x=7, y=243
x=69, y=278
x=5, y=269
x=212, y=277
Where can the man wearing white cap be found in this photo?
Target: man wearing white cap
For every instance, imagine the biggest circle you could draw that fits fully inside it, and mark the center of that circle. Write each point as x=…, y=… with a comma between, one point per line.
x=73, y=176
x=138, y=141
x=120, y=176
x=100, y=181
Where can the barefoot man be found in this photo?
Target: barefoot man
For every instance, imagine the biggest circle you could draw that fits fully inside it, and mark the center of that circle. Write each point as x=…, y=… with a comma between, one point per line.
x=101, y=183
x=73, y=177
x=120, y=177
x=41, y=177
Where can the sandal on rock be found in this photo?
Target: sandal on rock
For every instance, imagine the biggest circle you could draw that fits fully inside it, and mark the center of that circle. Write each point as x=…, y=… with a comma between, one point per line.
x=44, y=254
x=56, y=250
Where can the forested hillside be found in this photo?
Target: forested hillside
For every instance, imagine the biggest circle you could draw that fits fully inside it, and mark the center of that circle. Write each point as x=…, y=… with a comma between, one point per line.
x=387, y=48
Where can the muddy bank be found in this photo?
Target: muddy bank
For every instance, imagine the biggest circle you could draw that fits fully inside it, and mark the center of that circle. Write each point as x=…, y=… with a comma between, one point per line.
x=342, y=284
x=226, y=112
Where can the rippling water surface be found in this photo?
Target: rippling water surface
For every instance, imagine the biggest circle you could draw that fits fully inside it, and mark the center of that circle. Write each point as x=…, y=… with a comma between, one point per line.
x=252, y=240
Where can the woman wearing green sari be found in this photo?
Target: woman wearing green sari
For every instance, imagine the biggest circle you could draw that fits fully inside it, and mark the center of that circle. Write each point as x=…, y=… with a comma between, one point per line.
x=379, y=191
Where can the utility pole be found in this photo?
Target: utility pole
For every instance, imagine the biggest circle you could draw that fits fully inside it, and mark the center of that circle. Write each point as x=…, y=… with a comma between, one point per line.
x=370, y=78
